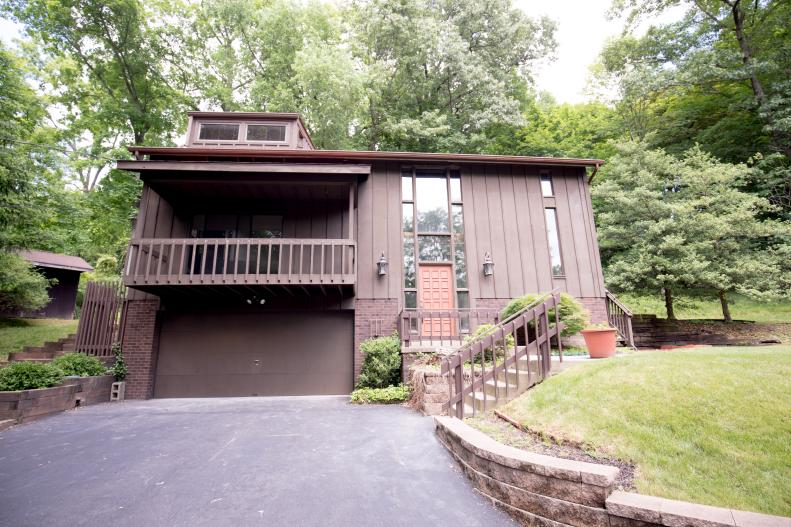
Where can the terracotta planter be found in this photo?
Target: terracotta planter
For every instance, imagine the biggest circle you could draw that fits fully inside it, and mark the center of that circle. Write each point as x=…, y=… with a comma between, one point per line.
x=600, y=342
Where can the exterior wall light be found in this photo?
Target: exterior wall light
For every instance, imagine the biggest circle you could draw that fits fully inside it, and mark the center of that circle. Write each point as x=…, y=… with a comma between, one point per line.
x=488, y=265
x=382, y=265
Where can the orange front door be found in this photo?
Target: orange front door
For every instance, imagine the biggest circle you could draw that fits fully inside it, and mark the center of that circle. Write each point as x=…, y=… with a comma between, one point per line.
x=436, y=293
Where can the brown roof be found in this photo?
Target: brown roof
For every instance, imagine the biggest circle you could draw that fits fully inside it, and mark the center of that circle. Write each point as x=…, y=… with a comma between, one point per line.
x=204, y=153
x=58, y=261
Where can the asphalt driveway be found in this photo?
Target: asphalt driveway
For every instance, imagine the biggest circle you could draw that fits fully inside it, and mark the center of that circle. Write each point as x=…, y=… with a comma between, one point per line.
x=237, y=461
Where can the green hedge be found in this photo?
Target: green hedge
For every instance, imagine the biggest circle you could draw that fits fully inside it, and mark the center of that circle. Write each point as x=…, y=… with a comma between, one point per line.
x=572, y=313
x=389, y=395
x=79, y=364
x=29, y=376
x=381, y=362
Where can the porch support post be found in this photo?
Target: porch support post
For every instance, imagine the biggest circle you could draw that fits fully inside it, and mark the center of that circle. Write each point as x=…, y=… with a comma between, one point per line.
x=351, y=211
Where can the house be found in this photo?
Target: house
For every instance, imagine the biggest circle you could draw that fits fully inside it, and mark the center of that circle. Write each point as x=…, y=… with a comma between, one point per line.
x=65, y=272
x=259, y=263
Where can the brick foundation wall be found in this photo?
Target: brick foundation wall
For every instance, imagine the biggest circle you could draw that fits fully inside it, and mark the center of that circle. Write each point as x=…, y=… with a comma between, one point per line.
x=597, y=309
x=139, y=346
x=372, y=318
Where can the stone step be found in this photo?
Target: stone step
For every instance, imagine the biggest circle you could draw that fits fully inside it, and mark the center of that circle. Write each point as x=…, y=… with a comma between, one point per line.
x=6, y=423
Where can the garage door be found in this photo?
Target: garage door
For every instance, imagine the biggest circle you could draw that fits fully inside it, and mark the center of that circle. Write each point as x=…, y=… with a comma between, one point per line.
x=242, y=354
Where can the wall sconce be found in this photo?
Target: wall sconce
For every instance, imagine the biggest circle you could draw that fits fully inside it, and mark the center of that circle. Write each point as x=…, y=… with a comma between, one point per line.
x=488, y=265
x=382, y=265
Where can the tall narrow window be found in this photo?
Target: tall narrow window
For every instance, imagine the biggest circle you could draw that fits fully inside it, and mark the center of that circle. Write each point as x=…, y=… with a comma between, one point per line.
x=554, y=242
x=547, y=190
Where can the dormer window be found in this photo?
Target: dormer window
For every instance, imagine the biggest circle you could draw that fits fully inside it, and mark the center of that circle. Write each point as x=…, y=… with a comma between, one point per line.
x=219, y=132
x=266, y=132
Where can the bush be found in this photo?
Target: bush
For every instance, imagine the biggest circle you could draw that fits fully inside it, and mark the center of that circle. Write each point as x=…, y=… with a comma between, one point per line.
x=381, y=362
x=119, y=368
x=572, y=313
x=389, y=395
x=22, y=288
x=29, y=376
x=482, y=331
x=79, y=364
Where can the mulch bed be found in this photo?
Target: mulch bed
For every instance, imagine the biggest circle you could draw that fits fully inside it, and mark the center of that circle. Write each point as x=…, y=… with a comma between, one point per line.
x=506, y=433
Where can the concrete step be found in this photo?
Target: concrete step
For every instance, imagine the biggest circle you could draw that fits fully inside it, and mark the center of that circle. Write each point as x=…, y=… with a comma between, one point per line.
x=504, y=391
x=30, y=354
x=6, y=423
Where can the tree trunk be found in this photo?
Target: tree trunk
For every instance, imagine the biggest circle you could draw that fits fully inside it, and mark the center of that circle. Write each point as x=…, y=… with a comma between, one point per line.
x=726, y=310
x=671, y=314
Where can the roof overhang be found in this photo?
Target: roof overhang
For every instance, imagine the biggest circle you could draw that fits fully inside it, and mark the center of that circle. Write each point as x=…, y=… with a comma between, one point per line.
x=344, y=156
x=246, y=167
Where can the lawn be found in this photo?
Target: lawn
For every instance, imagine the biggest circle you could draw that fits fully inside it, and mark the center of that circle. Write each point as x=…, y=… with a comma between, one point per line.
x=706, y=425
x=16, y=333
x=742, y=308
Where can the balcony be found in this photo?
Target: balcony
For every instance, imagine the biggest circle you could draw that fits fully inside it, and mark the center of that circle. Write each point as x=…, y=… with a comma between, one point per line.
x=156, y=263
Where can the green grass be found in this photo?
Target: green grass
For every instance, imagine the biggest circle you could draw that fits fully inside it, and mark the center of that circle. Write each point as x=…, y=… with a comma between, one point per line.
x=742, y=308
x=16, y=333
x=711, y=426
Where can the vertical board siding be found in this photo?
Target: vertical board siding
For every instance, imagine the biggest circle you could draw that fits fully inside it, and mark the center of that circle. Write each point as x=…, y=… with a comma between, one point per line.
x=364, y=228
x=513, y=250
x=525, y=240
x=496, y=231
x=538, y=229
x=481, y=231
x=379, y=225
x=394, y=249
x=471, y=245
x=566, y=231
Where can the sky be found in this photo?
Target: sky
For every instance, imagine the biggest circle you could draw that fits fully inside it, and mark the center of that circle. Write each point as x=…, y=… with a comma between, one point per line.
x=582, y=30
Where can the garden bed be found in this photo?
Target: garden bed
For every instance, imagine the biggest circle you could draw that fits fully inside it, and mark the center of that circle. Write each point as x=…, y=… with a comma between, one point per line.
x=27, y=405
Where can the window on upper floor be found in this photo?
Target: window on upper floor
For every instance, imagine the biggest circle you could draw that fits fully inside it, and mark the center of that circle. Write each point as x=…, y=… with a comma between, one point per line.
x=547, y=190
x=553, y=237
x=266, y=132
x=219, y=132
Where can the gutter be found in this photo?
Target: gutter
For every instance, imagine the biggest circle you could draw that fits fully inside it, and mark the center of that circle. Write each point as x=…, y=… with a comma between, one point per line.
x=593, y=174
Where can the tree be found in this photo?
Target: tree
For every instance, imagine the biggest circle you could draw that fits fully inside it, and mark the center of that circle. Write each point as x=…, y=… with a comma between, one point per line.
x=669, y=224
x=441, y=73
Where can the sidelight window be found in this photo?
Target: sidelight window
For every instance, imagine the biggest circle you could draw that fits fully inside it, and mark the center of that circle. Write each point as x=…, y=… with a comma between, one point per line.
x=553, y=238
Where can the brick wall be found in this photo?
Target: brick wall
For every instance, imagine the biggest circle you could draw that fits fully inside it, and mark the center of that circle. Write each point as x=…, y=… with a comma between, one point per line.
x=496, y=304
x=597, y=309
x=140, y=347
x=372, y=318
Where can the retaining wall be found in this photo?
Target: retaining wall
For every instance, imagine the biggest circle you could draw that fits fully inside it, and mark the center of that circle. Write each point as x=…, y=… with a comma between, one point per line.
x=26, y=405
x=547, y=491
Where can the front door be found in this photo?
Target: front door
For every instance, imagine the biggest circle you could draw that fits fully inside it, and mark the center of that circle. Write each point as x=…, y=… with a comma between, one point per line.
x=436, y=293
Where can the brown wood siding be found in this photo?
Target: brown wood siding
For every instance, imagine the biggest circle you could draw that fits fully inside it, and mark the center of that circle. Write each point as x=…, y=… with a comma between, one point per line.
x=503, y=215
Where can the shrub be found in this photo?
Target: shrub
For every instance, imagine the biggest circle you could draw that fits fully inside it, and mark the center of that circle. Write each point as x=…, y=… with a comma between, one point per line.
x=381, y=362
x=79, y=364
x=119, y=368
x=482, y=331
x=22, y=288
x=389, y=395
x=29, y=376
x=572, y=313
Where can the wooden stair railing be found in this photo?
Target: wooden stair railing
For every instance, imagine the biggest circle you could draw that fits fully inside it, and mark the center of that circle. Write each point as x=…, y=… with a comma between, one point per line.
x=489, y=371
x=620, y=317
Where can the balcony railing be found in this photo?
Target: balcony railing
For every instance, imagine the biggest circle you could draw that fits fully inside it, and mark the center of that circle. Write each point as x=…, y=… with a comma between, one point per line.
x=240, y=261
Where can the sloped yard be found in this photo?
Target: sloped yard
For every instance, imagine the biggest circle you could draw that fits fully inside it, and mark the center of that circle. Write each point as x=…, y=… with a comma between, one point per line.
x=706, y=425
x=16, y=333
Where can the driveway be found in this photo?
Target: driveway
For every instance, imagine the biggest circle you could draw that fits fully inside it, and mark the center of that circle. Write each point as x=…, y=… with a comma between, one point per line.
x=235, y=461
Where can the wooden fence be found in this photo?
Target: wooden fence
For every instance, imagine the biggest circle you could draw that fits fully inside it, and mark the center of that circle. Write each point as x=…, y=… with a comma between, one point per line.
x=100, y=318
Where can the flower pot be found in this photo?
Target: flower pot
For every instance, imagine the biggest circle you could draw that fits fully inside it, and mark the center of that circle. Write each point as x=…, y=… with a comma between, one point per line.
x=600, y=342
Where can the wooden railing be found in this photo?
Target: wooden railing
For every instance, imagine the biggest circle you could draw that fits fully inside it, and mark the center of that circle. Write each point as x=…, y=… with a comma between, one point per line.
x=431, y=327
x=493, y=368
x=620, y=317
x=100, y=318
x=187, y=261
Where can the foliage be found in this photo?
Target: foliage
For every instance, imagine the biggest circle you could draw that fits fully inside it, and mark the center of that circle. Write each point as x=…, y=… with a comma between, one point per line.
x=702, y=307
x=17, y=333
x=572, y=313
x=29, y=376
x=675, y=415
x=388, y=395
x=499, y=349
x=79, y=364
x=381, y=362
x=22, y=288
x=667, y=224
x=119, y=368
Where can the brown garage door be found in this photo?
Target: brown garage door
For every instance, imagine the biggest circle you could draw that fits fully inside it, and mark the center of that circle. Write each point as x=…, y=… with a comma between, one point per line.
x=233, y=354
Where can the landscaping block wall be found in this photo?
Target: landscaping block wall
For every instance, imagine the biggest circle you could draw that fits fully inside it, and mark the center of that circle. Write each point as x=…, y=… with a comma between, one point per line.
x=548, y=491
x=139, y=346
x=27, y=405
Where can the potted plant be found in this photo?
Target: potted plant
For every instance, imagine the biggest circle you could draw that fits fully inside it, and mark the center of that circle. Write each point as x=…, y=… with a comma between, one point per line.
x=600, y=340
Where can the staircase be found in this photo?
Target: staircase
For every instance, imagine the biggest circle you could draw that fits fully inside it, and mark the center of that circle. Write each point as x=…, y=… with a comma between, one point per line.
x=620, y=317
x=44, y=353
x=511, y=358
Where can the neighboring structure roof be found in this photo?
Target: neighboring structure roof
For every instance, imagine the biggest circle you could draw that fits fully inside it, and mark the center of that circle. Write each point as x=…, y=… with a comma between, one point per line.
x=55, y=260
x=231, y=154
